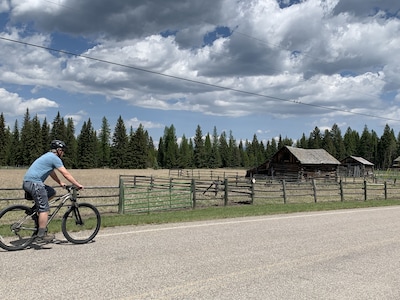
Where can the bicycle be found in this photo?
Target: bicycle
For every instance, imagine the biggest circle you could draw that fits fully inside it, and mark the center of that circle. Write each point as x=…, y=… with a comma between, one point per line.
x=19, y=223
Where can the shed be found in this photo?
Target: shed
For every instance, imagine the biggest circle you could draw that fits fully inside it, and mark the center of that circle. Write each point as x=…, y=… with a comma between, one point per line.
x=396, y=163
x=356, y=166
x=293, y=163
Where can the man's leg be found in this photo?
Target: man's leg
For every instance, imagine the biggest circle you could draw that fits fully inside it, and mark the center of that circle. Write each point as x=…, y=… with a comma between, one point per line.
x=43, y=217
x=43, y=192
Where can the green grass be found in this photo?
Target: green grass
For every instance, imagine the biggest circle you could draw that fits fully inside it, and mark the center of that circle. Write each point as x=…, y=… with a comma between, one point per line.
x=212, y=213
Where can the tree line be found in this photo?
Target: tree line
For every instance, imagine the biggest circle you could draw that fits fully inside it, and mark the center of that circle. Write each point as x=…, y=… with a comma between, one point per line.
x=129, y=148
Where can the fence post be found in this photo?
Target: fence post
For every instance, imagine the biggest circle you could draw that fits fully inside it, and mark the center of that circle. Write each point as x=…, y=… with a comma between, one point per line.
x=225, y=191
x=341, y=190
x=253, y=182
x=385, y=187
x=121, y=203
x=365, y=190
x=170, y=192
x=193, y=187
x=284, y=191
x=314, y=190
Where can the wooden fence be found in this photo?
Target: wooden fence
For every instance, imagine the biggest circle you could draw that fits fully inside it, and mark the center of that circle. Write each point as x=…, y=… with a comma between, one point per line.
x=138, y=194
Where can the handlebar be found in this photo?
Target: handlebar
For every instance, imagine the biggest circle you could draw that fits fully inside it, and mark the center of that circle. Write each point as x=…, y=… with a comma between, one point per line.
x=70, y=188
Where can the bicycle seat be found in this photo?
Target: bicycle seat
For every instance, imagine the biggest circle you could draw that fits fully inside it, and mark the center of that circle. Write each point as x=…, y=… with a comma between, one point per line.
x=28, y=196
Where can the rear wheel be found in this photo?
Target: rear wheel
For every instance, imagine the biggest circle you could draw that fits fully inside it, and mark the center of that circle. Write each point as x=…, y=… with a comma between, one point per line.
x=18, y=227
x=81, y=223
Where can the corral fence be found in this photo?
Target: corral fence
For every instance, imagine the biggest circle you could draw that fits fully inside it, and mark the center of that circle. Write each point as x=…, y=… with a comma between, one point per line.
x=191, y=190
x=146, y=194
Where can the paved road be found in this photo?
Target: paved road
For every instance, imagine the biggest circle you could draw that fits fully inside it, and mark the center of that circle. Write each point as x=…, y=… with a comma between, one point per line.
x=347, y=254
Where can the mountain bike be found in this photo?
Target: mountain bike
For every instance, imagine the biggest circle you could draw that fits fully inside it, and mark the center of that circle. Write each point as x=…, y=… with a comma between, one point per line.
x=19, y=223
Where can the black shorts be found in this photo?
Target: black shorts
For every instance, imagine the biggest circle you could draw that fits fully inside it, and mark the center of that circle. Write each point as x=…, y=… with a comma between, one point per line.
x=41, y=193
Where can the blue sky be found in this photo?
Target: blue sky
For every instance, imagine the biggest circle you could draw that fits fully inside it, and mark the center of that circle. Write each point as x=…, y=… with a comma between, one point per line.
x=263, y=67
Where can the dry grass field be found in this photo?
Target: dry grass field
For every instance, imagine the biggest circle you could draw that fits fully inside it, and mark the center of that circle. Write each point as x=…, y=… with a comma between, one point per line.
x=12, y=178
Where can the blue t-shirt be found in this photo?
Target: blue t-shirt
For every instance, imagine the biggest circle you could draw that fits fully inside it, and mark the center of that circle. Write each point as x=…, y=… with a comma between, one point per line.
x=42, y=167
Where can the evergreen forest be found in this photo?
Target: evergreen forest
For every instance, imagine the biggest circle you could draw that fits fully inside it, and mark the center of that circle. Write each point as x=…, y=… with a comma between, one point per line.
x=130, y=148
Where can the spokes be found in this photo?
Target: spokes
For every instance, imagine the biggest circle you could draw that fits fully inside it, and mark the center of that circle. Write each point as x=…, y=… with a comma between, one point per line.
x=17, y=226
x=81, y=224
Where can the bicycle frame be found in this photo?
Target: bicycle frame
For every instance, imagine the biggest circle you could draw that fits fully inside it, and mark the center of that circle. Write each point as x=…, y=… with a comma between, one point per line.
x=68, y=196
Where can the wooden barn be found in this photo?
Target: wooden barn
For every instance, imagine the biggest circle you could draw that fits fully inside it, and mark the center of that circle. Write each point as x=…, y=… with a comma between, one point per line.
x=293, y=163
x=355, y=166
x=260, y=170
x=396, y=163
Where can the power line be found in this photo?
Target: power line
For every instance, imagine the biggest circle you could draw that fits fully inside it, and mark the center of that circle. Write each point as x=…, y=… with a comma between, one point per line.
x=236, y=31
x=196, y=81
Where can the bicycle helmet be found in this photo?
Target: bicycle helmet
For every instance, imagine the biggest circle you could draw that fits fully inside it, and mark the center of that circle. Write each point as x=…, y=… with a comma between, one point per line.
x=56, y=144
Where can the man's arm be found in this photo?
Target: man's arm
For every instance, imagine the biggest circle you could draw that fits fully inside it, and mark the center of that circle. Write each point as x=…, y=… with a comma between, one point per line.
x=54, y=176
x=67, y=175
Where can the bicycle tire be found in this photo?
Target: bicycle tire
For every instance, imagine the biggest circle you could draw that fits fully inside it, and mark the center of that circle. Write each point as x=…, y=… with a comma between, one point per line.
x=81, y=223
x=18, y=227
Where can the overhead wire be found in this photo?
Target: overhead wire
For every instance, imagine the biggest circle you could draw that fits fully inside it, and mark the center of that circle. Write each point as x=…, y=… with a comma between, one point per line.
x=196, y=81
x=330, y=108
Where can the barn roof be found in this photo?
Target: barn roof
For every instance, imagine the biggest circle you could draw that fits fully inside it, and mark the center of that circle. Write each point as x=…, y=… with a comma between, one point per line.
x=313, y=156
x=361, y=160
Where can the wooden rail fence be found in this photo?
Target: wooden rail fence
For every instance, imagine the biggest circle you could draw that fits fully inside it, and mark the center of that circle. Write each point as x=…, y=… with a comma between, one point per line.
x=144, y=194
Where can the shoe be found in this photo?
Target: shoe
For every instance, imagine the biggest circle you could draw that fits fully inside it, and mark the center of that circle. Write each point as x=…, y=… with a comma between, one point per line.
x=47, y=238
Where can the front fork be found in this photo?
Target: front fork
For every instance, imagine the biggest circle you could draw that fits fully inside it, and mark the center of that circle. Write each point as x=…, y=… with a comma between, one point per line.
x=76, y=214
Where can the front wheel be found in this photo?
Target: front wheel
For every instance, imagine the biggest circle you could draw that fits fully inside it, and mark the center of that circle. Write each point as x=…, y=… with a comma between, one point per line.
x=17, y=227
x=81, y=223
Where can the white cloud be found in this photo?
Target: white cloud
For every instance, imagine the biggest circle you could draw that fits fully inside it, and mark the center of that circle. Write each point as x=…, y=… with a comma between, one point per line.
x=135, y=122
x=12, y=104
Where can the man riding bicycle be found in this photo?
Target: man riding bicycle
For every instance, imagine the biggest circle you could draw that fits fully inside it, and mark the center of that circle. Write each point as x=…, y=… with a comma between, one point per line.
x=33, y=183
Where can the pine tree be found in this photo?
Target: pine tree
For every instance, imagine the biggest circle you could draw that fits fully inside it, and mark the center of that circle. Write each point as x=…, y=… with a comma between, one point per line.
x=4, y=142
x=152, y=156
x=243, y=155
x=45, y=136
x=161, y=153
x=15, y=157
x=170, y=148
x=199, y=150
x=271, y=149
x=338, y=142
x=224, y=150
x=26, y=140
x=303, y=142
x=70, y=156
x=234, y=156
x=315, y=140
x=365, y=147
x=215, y=159
x=207, y=152
x=58, y=130
x=87, y=146
x=119, y=146
x=140, y=148
x=36, y=149
x=351, y=140
x=104, y=141
x=387, y=147
x=327, y=143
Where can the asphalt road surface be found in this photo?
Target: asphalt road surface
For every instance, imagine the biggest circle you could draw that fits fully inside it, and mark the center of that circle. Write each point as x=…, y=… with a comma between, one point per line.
x=345, y=254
